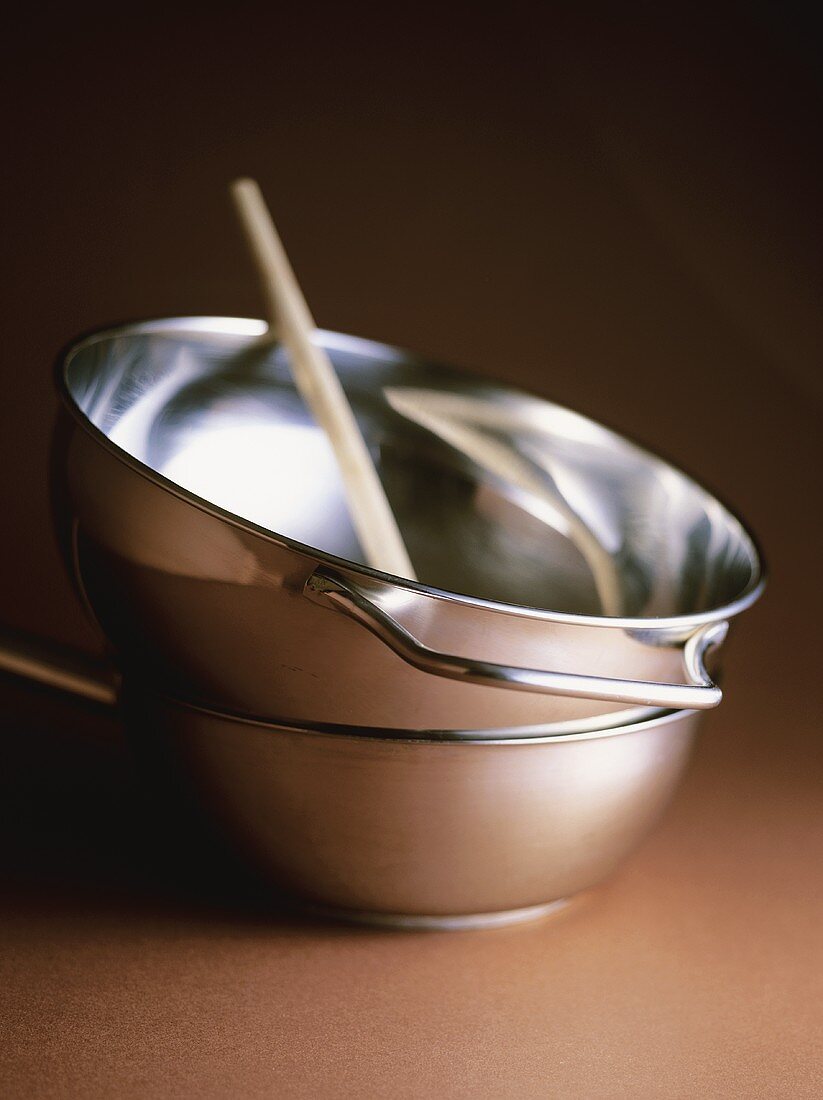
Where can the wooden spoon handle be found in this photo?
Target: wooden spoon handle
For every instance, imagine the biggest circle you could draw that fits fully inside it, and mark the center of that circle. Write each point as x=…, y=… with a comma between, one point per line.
x=320, y=387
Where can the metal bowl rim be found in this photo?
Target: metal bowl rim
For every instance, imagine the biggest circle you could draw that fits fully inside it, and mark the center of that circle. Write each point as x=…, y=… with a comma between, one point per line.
x=418, y=737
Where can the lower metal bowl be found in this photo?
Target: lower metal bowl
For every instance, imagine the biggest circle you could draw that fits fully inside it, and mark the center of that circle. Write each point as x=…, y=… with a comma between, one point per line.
x=418, y=830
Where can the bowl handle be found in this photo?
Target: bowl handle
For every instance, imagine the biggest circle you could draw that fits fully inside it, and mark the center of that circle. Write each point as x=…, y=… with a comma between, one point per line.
x=700, y=693
x=59, y=668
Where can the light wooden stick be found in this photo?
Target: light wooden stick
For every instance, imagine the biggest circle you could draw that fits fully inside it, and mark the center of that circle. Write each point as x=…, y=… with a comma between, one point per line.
x=469, y=424
x=320, y=387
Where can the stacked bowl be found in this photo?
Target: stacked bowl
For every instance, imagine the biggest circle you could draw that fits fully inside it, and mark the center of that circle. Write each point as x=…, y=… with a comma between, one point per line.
x=475, y=746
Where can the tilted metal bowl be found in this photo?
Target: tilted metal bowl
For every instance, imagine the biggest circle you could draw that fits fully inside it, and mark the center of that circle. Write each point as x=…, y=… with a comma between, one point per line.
x=459, y=830
x=564, y=572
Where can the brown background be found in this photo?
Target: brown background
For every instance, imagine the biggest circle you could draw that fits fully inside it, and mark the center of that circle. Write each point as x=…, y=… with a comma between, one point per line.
x=622, y=214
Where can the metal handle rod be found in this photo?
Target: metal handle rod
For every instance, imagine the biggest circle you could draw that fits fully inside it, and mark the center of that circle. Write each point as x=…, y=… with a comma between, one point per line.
x=59, y=668
x=701, y=693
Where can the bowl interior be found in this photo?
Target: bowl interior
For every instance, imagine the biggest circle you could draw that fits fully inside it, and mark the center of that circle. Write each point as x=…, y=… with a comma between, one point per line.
x=499, y=495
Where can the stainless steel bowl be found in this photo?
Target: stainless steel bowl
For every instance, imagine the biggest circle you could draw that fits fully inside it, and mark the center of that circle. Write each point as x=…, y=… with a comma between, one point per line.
x=453, y=831
x=454, y=828
x=564, y=572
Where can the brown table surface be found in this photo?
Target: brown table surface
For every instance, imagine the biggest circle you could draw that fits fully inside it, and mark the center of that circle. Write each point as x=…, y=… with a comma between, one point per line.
x=619, y=216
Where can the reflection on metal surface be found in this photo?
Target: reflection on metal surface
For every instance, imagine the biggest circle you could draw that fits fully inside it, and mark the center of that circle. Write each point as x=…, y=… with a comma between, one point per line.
x=427, y=923
x=281, y=477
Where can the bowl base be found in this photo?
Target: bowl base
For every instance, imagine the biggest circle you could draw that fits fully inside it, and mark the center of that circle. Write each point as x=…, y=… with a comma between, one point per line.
x=440, y=923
